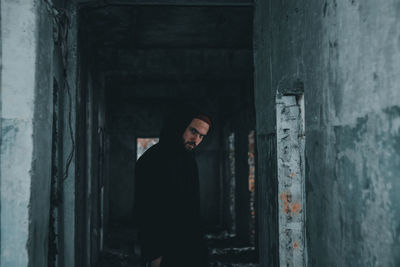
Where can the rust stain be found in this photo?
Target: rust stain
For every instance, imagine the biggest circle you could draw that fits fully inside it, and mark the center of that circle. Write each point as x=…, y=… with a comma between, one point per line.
x=292, y=175
x=288, y=206
x=286, y=198
x=295, y=245
x=296, y=207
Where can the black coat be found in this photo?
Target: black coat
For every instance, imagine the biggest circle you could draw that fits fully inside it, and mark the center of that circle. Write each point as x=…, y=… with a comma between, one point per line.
x=168, y=202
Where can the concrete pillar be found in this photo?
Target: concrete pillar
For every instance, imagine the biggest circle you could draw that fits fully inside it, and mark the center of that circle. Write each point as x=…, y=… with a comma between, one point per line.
x=242, y=201
x=264, y=98
x=291, y=181
x=26, y=121
x=68, y=207
x=229, y=182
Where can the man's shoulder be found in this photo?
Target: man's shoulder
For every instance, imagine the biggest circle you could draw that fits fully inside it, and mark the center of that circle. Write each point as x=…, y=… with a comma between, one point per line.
x=151, y=162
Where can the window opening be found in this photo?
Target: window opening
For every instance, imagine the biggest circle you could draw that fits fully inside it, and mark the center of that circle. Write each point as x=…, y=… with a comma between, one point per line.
x=143, y=144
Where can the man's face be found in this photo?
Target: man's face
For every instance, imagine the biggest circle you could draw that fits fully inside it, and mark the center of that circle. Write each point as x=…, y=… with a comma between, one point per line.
x=194, y=134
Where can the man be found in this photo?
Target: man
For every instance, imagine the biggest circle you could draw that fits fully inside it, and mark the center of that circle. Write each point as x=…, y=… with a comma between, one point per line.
x=167, y=195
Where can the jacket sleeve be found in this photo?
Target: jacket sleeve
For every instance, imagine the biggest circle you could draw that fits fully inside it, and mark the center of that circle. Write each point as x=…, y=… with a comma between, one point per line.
x=150, y=210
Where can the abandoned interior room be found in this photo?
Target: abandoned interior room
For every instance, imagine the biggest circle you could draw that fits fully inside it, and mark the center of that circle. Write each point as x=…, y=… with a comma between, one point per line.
x=301, y=167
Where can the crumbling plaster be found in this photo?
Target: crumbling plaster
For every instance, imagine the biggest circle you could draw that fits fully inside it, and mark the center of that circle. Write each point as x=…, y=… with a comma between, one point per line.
x=26, y=116
x=347, y=55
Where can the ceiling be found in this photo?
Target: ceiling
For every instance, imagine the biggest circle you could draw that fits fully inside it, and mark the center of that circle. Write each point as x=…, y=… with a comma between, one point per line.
x=165, y=51
x=170, y=27
x=94, y=3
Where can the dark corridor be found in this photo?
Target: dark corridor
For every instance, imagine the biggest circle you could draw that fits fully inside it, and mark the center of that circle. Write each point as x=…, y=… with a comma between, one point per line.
x=301, y=168
x=137, y=62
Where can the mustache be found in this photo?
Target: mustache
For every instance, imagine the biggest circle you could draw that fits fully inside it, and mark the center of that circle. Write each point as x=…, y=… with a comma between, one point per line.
x=190, y=143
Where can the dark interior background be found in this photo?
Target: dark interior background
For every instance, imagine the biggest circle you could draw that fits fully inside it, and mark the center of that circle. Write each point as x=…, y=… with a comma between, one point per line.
x=152, y=57
x=138, y=62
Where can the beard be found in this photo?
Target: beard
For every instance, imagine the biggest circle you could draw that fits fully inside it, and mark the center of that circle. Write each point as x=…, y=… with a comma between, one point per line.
x=189, y=146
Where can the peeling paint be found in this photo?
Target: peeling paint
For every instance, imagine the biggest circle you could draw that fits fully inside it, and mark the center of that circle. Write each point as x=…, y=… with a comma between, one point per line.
x=377, y=177
x=290, y=155
x=347, y=53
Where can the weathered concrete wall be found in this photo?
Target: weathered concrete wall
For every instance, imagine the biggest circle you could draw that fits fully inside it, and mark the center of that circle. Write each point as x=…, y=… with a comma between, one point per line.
x=90, y=162
x=88, y=183
x=67, y=230
x=26, y=110
x=267, y=206
x=42, y=132
x=290, y=160
x=347, y=54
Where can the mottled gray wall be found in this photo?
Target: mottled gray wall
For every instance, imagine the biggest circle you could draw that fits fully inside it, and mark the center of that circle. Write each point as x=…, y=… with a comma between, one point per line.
x=42, y=132
x=26, y=96
x=347, y=53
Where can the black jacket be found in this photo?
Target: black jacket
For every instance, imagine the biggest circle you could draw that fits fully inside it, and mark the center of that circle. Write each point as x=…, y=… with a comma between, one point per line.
x=168, y=201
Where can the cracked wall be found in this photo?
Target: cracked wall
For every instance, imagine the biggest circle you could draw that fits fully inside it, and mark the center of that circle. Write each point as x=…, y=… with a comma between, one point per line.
x=26, y=126
x=347, y=54
x=290, y=160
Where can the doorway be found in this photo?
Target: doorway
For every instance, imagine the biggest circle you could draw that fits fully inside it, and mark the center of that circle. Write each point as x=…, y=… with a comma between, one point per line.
x=146, y=59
